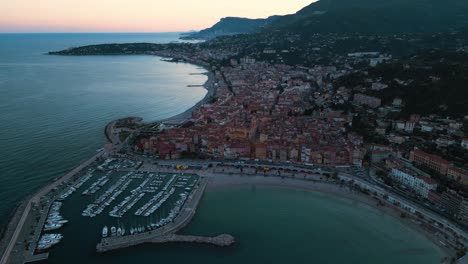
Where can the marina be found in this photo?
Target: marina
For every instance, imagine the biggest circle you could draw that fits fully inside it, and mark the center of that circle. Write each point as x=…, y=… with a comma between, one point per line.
x=131, y=206
x=179, y=216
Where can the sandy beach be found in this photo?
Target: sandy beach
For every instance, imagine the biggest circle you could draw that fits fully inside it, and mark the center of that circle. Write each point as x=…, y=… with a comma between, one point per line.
x=187, y=114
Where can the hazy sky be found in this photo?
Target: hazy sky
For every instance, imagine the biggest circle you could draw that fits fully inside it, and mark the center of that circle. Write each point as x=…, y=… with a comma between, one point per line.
x=132, y=15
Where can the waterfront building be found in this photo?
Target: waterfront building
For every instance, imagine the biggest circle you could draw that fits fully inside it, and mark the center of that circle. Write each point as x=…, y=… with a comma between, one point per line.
x=421, y=185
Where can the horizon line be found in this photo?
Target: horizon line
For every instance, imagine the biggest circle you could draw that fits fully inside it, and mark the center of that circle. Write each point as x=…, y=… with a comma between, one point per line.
x=103, y=32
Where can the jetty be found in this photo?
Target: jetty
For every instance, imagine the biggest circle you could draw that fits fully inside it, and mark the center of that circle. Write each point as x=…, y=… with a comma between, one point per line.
x=223, y=240
x=166, y=234
x=37, y=258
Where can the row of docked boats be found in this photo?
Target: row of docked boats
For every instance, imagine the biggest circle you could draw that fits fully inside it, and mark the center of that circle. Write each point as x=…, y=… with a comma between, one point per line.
x=84, y=179
x=168, y=183
x=174, y=211
x=75, y=187
x=149, y=203
x=158, y=204
x=96, y=186
x=105, y=164
x=153, y=226
x=54, y=219
x=120, y=231
x=119, y=210
x=136, y=195
x=143, y=185
x=48, y=240
x=98, y=206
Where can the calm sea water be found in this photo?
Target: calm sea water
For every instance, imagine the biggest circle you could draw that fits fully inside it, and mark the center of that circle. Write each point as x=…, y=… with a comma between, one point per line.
x=53, y=112
x=53, y=109
x=271, y=225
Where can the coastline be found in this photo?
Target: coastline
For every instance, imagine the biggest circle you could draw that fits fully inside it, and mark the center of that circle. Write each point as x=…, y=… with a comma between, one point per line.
x=325, y=188
x=334, y=191
x=23, y=208
x=208, y=85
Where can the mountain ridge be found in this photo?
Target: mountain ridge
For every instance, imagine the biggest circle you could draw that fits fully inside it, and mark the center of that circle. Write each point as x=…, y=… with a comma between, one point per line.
x=231, y=26
x=356, y=16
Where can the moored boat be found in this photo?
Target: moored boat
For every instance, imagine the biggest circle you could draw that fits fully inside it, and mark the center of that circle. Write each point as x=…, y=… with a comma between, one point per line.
x=105, y=231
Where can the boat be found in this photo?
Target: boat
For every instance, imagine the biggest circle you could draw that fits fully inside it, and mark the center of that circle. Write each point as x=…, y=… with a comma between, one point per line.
x=123, y=231
x=119, y=231
x=48, y=240
x=105, y=231
x=113, y=231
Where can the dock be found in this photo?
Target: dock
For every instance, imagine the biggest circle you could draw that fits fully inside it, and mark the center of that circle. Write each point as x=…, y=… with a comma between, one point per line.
x=35, y=258
x=166, y=234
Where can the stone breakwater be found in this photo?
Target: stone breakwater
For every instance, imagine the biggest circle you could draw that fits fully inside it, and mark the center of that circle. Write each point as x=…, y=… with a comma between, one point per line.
x=223, y=240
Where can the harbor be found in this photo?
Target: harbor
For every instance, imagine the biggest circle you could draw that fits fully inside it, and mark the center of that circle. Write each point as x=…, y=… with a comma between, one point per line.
x=126, y=206
x=159, y=231
x=130, y=203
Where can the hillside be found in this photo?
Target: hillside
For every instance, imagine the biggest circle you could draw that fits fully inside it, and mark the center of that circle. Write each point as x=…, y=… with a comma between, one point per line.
x=375, y=17
x=231, y=26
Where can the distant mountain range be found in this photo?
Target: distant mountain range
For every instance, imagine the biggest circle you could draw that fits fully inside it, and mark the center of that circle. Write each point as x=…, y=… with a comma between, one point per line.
x=232, y=26
x=354, y=16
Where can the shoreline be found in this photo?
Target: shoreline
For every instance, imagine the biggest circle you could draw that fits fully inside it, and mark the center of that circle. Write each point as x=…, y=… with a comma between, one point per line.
x=23, y=206
x=332, y=190
x=295, y=184
x=208, y=85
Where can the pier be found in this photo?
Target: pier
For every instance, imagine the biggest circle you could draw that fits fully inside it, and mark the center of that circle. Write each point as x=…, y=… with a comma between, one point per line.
x=36, y=258
x=166, y=234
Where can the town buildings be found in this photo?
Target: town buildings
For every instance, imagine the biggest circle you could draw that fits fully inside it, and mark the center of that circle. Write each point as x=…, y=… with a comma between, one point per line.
x=433, y=162
x=420, y=184
x=370, y=101
x=259, y=114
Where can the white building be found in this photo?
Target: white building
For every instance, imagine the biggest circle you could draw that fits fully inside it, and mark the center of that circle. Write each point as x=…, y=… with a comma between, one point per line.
x=305, y=154
x=464, y=143
x=421, y=185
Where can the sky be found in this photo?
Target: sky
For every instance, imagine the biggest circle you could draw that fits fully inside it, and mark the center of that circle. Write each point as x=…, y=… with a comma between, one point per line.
x=132, y=15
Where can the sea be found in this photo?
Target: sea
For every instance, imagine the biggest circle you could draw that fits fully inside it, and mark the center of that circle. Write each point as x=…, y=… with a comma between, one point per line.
x=53, y=110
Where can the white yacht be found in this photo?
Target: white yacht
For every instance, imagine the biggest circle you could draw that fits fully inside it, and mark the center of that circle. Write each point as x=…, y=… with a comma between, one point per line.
x=105, y=231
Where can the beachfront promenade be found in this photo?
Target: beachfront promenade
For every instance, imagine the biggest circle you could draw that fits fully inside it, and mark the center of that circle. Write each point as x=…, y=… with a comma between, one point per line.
x=165, y=233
